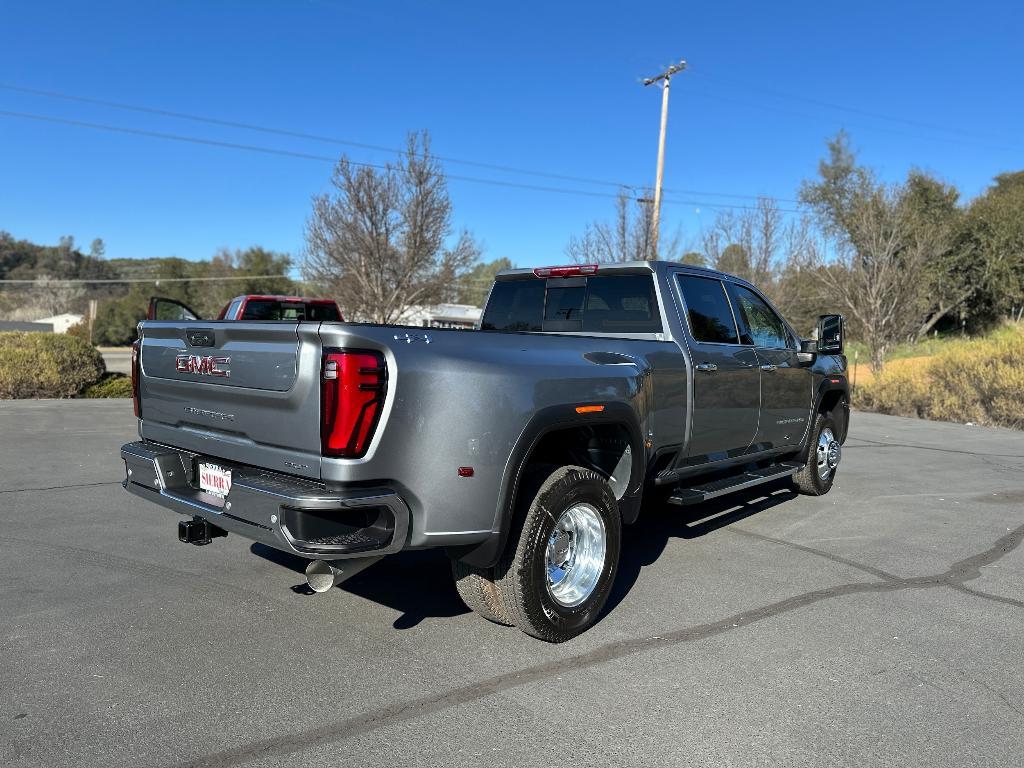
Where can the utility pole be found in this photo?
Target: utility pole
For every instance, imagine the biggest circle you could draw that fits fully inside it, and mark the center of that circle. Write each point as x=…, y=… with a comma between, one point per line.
x=665, y=79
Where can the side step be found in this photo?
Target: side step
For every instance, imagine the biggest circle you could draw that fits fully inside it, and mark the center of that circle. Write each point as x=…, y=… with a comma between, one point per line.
x=696, y=494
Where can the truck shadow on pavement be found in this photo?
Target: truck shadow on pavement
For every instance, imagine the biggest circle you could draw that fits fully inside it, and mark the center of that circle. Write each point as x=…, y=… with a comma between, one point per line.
x=645, y=541
x=419, y=584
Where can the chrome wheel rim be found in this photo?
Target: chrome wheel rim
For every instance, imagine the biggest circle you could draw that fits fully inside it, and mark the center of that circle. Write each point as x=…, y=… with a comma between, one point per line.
x=575, y=555
x=829, y=452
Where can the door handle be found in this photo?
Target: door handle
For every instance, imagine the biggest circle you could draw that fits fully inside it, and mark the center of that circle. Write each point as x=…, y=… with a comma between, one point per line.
x=706, y=367
x=769, y=368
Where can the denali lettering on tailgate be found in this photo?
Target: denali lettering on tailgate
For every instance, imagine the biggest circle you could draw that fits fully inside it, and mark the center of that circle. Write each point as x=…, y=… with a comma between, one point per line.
x=202, y=365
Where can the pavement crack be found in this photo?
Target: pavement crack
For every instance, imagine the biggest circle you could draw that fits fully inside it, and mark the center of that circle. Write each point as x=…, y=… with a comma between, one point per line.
x=989, y=596
x=871, y=570
x=958, y=573
x=880, y=444
x=61, y=487
x=278, y=746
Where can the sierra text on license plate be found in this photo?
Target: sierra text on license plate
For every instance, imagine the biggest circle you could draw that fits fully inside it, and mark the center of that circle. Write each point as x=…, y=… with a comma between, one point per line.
x=214, y=479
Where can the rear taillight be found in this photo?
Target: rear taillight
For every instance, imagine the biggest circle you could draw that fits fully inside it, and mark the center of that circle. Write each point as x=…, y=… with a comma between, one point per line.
x=135, y=379
x=352, y=395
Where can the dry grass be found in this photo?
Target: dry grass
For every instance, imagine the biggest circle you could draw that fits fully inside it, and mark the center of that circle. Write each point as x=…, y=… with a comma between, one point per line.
x=979, y=381
x=861, y=373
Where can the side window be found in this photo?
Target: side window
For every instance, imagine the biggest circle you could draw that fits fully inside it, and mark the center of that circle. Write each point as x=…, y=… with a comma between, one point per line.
x=233, y=309
x=765, y=327
x=711, y=319
x=515, y=305
x=621, y=304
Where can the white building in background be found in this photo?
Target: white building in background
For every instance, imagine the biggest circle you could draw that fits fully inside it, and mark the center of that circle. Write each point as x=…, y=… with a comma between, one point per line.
x=443, y=316
x=61, y=323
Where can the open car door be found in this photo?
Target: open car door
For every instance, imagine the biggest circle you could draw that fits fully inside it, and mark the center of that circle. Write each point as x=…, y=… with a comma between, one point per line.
x=161, y=308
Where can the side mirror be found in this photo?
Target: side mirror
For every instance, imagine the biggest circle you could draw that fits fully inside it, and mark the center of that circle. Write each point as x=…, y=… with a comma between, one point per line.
x=830, y=335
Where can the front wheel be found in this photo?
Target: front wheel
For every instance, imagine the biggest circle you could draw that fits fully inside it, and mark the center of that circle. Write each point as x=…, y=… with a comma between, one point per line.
x=562, y=555
x=816, y=475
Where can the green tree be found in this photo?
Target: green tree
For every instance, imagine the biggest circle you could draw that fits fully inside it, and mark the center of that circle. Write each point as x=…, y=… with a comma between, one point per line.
x=476, y=283
x=880, y=245
x=990, y=250
x=734, y=259
x=934, y=218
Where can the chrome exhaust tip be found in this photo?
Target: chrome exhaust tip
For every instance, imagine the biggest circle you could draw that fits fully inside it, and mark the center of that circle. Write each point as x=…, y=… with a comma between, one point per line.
x=325, y=575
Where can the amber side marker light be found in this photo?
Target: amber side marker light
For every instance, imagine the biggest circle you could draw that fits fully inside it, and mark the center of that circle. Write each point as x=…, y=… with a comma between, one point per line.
x=589, y=408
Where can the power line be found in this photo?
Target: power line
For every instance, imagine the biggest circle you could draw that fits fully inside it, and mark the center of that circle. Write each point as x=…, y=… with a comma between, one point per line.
x=836, y=120
x=357, y=144
x=843, y=108
x=326, y=158
x=45, y=282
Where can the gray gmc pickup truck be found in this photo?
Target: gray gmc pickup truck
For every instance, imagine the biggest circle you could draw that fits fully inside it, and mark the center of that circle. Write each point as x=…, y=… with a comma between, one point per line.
x=522, y=448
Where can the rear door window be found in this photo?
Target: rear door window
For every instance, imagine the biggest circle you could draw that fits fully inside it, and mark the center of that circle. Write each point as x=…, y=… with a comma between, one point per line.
x=707, y=308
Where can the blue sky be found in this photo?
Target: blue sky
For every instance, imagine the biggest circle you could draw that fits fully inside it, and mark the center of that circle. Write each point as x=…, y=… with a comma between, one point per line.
x=550, y=87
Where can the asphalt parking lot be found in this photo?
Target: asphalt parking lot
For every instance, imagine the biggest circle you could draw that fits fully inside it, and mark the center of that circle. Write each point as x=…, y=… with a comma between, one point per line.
x=880, y=625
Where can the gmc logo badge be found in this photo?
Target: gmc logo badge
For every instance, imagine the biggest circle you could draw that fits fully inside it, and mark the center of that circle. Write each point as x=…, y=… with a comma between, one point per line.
x=202, y=365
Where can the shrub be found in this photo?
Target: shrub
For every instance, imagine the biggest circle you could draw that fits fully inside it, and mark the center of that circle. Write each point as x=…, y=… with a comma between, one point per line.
x=79, y=329
x=111, y=385
x=980, y=381
x=46, y=365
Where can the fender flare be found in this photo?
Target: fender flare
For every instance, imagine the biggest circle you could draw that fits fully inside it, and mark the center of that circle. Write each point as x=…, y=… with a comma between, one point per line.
x=545, y=421
x=830, y=383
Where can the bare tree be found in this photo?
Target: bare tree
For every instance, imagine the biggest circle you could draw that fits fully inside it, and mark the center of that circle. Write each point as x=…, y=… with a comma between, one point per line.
x=746, y=243
x=627, y=237
x=54, y=297
x=378, y=243
x=797, y=290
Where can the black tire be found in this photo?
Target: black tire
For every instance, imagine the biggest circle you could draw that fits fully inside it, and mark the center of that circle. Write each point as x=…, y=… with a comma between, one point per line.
x=809, y=479
x=478, y=591
x=521, y=572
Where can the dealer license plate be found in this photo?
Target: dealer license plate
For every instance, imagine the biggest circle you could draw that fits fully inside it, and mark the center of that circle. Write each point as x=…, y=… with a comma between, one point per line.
x=214, y=479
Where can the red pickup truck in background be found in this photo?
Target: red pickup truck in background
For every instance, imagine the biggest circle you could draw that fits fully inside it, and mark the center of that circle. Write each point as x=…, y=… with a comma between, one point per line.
x=251, y=307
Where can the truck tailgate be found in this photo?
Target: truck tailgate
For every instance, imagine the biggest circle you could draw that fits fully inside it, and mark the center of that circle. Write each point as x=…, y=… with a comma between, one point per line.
x=244, y=392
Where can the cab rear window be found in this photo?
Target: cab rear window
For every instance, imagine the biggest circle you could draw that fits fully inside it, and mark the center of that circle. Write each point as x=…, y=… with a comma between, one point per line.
x=598, y=304
x=270, y=309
